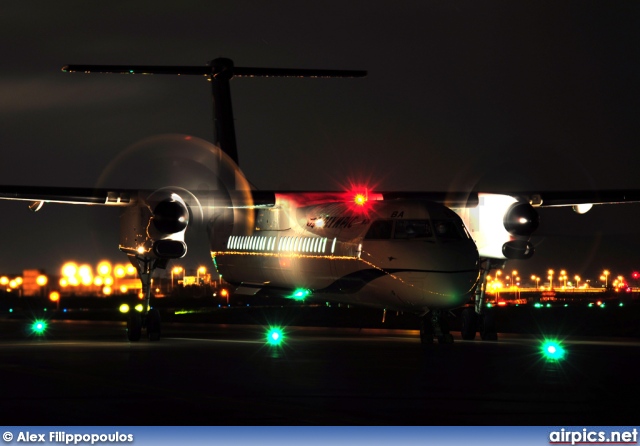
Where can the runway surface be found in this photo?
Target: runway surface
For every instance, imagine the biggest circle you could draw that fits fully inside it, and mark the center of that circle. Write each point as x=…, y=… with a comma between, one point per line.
x=86, y=373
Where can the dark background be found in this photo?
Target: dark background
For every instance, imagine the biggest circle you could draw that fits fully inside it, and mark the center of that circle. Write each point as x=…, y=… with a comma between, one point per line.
x=461, y=95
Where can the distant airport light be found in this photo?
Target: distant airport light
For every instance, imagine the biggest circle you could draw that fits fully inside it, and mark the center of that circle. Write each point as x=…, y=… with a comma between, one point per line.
x=139, y=308
x=131, y=270
x=4, y=280
x=69, y=269
x=124, y=308
x=107, y=290
x=41, y=280
x=104, y=268
x=54, y=296
x=119, y=271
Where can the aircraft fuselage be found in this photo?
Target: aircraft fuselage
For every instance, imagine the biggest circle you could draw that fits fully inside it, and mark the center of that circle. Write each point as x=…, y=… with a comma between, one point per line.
x=405, y=255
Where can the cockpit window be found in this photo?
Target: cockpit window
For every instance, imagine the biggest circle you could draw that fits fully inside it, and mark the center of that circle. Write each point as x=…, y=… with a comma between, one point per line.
x=413, y=229
x=380, y=230
x=448, y=230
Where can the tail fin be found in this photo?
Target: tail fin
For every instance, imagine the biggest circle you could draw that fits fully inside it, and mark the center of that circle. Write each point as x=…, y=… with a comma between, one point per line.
x=219, y=72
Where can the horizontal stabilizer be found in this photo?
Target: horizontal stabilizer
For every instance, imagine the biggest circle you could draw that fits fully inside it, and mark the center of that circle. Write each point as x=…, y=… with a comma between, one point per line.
x=212, y=70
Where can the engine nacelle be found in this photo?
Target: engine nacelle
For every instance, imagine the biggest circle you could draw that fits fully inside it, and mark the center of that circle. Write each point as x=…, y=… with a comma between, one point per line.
x=501, y=226
x=156, y=227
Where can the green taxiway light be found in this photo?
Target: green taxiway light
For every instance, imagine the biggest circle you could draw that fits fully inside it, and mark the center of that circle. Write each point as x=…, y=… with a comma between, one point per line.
x=39, y=327
x=275, y=336
x=552, y=350
x=300, y=294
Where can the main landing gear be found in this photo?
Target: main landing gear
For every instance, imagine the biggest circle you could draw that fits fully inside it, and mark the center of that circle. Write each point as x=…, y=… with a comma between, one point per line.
x=149, y=318
x=478, y=318
x=475, y=319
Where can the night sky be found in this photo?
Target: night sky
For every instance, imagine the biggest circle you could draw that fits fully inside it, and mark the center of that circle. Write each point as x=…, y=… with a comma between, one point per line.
x=461, y=95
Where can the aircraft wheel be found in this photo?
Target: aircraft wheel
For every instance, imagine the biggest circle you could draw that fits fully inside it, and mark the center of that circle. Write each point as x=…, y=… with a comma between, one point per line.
x=469, y=324
x=134, y=326
x=446, y=338
x=488, y=331
x=153, y=324
x=426, y=330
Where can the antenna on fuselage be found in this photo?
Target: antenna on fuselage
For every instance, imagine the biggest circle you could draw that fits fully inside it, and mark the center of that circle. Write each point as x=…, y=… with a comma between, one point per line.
x=219, y=71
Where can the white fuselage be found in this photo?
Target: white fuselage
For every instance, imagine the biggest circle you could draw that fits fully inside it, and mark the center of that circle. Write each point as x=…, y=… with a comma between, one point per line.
x=402, y=255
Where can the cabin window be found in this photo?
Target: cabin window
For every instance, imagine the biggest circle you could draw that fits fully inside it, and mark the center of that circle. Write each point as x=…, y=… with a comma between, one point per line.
x=412, y=229
x=380, y=230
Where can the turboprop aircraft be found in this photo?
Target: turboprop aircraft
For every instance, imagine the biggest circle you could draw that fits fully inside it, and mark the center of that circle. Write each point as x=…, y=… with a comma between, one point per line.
x=419, y=252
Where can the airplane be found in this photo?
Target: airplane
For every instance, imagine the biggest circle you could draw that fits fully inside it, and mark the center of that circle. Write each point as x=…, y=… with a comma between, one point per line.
x=420, y=252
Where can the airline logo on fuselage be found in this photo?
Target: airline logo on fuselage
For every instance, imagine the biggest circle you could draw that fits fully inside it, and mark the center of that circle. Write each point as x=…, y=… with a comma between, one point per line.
x=336, y=222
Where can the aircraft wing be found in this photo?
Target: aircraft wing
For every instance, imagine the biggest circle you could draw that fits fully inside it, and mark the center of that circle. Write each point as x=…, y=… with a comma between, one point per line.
x=574, y=198
x=536, y=199
x=39, y=195
x=128, y=197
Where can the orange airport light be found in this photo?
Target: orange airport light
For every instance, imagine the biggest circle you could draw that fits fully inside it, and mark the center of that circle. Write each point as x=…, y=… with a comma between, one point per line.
x=119, y=271
x=104, y=268
x=42, y=280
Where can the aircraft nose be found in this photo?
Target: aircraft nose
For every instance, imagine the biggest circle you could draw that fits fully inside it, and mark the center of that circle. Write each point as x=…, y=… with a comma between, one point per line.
x=455, y=276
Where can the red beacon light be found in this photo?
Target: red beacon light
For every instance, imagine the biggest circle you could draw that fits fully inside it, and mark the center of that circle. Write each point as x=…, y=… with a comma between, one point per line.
x=360, y=199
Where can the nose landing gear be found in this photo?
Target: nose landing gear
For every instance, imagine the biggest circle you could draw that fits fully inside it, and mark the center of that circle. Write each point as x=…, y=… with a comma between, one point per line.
x=149, y=318
x=479, y=318
x=434, y=325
